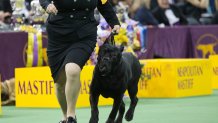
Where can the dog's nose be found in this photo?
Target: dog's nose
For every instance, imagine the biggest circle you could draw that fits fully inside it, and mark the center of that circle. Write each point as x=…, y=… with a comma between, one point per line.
x=102, y=68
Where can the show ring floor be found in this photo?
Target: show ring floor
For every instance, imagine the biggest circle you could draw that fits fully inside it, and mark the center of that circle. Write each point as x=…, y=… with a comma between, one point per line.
x=203, y=109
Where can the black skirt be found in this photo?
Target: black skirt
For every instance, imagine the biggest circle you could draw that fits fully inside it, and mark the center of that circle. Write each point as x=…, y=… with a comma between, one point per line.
x=69, y=41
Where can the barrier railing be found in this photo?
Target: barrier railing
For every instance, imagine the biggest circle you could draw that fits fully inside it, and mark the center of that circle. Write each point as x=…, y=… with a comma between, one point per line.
x=35, y=88
x=214, y=61
x=172, y=78
x=167, y=78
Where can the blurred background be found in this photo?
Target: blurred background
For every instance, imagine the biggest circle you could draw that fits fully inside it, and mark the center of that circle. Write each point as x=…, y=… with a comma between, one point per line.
x=150, y=29
x=147, y=12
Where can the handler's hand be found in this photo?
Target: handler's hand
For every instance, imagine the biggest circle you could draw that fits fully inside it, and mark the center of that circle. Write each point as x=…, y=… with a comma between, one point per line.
x=51, y=9
x=116, y=29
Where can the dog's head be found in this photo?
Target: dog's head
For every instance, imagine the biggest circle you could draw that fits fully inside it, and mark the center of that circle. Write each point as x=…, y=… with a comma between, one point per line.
x=109, y=57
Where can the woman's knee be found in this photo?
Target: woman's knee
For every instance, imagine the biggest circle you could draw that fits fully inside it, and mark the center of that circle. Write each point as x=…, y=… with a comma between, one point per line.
x=72, y=70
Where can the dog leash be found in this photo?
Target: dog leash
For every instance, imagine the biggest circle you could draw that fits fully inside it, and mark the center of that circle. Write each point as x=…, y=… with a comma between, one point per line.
x=110, y=38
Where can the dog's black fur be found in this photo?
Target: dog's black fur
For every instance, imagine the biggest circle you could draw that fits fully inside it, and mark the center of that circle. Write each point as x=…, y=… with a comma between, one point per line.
x=115, y=73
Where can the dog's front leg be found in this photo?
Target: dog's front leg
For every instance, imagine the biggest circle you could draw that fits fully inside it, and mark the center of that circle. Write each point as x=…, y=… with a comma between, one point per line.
x=94, y=108
x=116, y=106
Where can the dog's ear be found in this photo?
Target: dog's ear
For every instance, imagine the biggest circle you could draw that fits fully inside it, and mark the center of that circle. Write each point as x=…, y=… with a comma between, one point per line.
x=121, y=48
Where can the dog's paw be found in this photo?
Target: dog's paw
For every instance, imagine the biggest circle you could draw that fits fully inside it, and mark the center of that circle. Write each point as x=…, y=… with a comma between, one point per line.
x=93, y=120
x=129, y=115
x=110, y=121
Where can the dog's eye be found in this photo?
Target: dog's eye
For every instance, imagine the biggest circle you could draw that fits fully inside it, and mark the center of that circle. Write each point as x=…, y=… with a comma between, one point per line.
x=114, y=57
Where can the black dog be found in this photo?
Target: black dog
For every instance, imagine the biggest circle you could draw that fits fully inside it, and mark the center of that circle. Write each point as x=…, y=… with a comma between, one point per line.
x=114, y=73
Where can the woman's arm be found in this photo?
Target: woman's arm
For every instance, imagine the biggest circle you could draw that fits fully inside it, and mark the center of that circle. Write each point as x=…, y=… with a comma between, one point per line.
x=199, y=3
x=108, y=13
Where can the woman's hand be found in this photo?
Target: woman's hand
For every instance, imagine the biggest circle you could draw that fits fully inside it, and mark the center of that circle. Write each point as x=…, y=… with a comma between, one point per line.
x=116, y=29
x=51, y=9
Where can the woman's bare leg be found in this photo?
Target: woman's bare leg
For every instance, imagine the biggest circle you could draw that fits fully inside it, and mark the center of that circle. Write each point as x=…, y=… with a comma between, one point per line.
x=72, y=87
x=60, y=93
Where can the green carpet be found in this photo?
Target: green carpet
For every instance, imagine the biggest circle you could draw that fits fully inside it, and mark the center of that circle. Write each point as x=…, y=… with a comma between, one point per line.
x=202, y=109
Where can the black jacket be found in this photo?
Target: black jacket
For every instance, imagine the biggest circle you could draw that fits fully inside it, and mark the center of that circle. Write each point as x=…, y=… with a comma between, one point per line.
x=82, y=5
x=78, y=16
x=159, y=14
x=190, y=10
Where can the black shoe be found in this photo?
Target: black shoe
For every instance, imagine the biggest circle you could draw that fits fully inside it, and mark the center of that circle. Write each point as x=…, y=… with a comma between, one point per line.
x=62, y=121
x=71, y=120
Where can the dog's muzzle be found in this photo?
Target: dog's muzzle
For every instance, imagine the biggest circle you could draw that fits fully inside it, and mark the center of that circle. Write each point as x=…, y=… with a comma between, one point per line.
x=104, y=66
